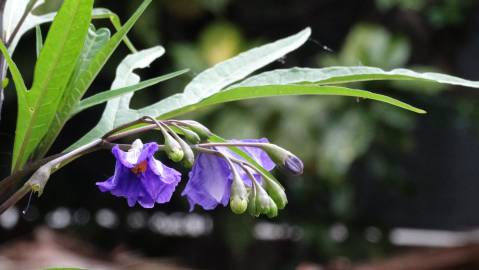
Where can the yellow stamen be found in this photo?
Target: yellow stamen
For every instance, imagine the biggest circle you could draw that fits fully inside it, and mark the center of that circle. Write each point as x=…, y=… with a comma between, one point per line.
x=140, y=168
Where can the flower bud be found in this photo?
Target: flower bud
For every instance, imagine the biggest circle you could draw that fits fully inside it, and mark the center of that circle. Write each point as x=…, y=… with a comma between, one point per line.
x=284, y=158
x=198, y=128
x=239, y=194
x=191, y=136
x=238, y=205
x=276, y=191
x=173, y=148
x=264, y=203
x=252, y=206
x=189, y=156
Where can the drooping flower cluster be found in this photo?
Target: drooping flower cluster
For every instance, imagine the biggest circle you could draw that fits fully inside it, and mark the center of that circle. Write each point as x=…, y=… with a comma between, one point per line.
x=219, y=174
x=211, y=178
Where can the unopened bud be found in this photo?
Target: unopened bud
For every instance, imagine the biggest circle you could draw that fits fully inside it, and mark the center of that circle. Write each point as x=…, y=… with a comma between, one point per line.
x=238, y=205
x=190, y=136
x=173, y=148
x=198, y=128
x=188, y=155
x=264, y=203
x=239, y=194
x=284, y=158
x=276, y=191
x=252, y=205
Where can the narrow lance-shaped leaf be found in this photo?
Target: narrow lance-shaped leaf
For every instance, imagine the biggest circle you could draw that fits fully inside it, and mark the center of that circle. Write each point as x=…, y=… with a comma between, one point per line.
x=338, y=75
x=114, y=93
x=95, y=40
x=242, y=93
x=20, y=87
x=82, y=81
x=38, y=39
x=210, y=81
x=52, y=71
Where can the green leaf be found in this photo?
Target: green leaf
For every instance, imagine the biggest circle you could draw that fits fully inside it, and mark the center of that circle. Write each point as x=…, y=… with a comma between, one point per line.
x=20, y=87
x=52, y=71
x=114, y=93
x=227, y=72
x=117, y=110
x=94, y=41
x=33, y=20
x=207, y=83
x=339, y=75
x=82, y=80
x=103, y=13
x=213, y=80
x=38, y=39
x=242, y=93
x=12, y=15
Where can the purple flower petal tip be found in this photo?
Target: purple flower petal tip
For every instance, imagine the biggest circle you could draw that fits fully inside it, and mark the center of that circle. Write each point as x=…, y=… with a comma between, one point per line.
x=294, y=165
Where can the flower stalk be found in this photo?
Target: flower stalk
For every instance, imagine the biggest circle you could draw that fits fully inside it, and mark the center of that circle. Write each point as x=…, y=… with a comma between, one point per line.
x=244, y=185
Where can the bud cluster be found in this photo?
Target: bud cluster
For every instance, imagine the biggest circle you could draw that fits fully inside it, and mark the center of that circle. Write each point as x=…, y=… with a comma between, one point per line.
x=252, y=188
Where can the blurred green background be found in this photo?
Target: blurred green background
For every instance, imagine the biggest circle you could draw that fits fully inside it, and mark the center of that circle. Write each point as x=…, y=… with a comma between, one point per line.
x=369, y=167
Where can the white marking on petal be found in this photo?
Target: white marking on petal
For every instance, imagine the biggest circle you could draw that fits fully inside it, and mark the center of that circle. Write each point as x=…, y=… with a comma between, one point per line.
x=133, y=154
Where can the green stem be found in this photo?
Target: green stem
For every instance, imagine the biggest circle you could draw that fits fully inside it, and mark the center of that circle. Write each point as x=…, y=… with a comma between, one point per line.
x=232, y=144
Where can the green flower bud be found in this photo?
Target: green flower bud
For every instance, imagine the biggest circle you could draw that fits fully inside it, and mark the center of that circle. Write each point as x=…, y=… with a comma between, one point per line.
x=198, y=128
x=261, y=203
x=189, y=156
x=252, y=206
x=284, y=158
x=238, y=205
x=264, y=203
x=173, y=148
x=239, y=194
x=191, y=136
x=276, y=191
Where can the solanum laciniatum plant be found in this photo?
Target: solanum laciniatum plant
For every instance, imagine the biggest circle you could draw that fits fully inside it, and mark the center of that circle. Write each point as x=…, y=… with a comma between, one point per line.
x=222, y=171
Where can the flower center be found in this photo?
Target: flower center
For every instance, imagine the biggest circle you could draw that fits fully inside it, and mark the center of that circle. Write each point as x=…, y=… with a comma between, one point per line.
x=140, y=167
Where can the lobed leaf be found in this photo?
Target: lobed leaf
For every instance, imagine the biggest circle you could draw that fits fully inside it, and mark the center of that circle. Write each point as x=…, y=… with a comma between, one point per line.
x=207, y=83
x=214, y=79
x=117, y=110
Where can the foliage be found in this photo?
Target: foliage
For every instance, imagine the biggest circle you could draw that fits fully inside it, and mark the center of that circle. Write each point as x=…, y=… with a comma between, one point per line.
x=74, y=52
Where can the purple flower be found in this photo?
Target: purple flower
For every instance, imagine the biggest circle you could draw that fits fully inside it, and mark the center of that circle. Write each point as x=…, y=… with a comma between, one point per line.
x=139, y=177
x=210, y=179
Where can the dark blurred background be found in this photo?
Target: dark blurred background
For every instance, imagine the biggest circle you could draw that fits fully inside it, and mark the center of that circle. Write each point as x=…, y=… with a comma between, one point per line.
x=370, y=168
